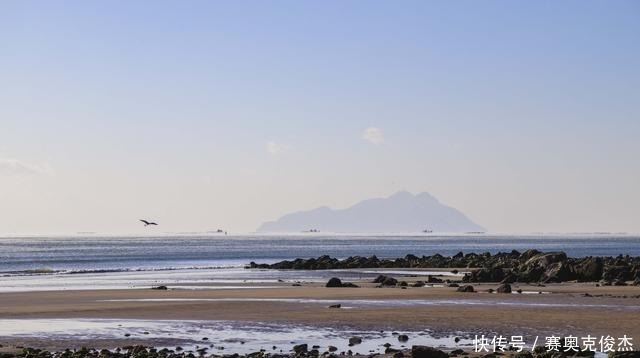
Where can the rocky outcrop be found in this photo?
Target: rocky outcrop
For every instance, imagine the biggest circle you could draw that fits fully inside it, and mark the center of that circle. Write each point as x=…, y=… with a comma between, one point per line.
x=503, y=267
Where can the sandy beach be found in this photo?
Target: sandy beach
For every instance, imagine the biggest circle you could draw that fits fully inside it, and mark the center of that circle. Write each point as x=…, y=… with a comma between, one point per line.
x=559, y=309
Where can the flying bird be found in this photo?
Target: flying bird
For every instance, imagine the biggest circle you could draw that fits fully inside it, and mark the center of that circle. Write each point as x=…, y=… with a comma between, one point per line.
x=147, y=223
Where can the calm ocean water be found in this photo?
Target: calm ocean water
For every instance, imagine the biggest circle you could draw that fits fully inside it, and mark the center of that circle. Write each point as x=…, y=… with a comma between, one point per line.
x=72, y=254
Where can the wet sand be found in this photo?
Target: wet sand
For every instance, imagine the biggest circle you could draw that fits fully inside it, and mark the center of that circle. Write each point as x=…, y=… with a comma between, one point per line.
x=561, y=310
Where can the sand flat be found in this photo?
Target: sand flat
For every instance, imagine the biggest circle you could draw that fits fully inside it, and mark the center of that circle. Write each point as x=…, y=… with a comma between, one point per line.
x=563, y=310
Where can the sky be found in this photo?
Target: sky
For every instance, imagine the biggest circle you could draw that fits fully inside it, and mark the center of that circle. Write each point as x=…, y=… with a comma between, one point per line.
x=224, y=114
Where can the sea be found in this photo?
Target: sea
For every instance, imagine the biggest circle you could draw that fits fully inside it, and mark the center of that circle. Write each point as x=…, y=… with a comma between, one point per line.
x=81, y=262
x=218, y=262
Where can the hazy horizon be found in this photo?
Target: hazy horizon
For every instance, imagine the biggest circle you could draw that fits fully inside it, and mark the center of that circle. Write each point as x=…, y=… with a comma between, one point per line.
x=206, y=115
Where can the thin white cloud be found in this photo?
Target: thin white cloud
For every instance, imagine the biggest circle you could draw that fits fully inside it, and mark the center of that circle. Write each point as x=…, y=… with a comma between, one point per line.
x=275, y=149
x=373, y=135
x=17, y=167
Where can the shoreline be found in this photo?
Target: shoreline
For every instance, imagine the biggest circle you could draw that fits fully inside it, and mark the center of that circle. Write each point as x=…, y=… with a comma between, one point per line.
x=441, y=301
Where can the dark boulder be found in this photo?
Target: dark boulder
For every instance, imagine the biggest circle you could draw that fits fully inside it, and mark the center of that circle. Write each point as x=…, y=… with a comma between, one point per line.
x=485, y=275
x=301, y=348
x=355, y=340
x=509, y=278
x=427, y=352
x=380, y=279
x=523, y=354
x=336, y=282
x=545, y=259
x=613, y=273
x=623, y=354
x=559, y=272
x=465, y=288
x=390, y=281
x=504, y=288
x=589, y=269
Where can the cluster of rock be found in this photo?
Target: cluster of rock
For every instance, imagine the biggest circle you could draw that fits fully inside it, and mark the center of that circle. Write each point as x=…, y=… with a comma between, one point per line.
x=299, y=351
x=506, y=267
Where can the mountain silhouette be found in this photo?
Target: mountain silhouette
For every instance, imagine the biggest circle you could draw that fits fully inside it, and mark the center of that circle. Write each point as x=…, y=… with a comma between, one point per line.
x=401, y=212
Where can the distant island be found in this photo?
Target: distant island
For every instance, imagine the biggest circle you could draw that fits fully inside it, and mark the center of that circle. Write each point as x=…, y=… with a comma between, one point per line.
x=401, y=212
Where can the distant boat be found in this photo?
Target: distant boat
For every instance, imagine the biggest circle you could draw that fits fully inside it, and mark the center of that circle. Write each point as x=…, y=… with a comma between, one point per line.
x=427, y=231
x=219, y=231
x=313, y=230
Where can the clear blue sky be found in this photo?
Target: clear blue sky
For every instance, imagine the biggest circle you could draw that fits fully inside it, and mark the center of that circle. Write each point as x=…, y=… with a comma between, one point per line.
x=207, y=114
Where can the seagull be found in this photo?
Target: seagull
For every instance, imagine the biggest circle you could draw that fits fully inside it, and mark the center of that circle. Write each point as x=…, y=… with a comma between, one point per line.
x=147, y=223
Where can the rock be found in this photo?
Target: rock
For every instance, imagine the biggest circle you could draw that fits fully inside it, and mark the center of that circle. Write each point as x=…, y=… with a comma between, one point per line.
x=355, y=340
x=427, y=352
x=332, y=348
x=620, y=272
x=495, y=274
x=523, y=354
x=546, y=259
x=162, y=288
x=380, y=279
x=336, y=306
x=389, y=281
x=465, y=288
x=334, y=282
x=504, y=288
x=403, y=284
x=590, y=269
x=398, y=355
x=559, y=272
x=403, y=337
x=457, y=351
x=418, y=284
x=349, y=284
x=300, y=348
x=622, y=354
x=509, y=278
x=453, y=285
x=491, y=290
x=519, y=290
